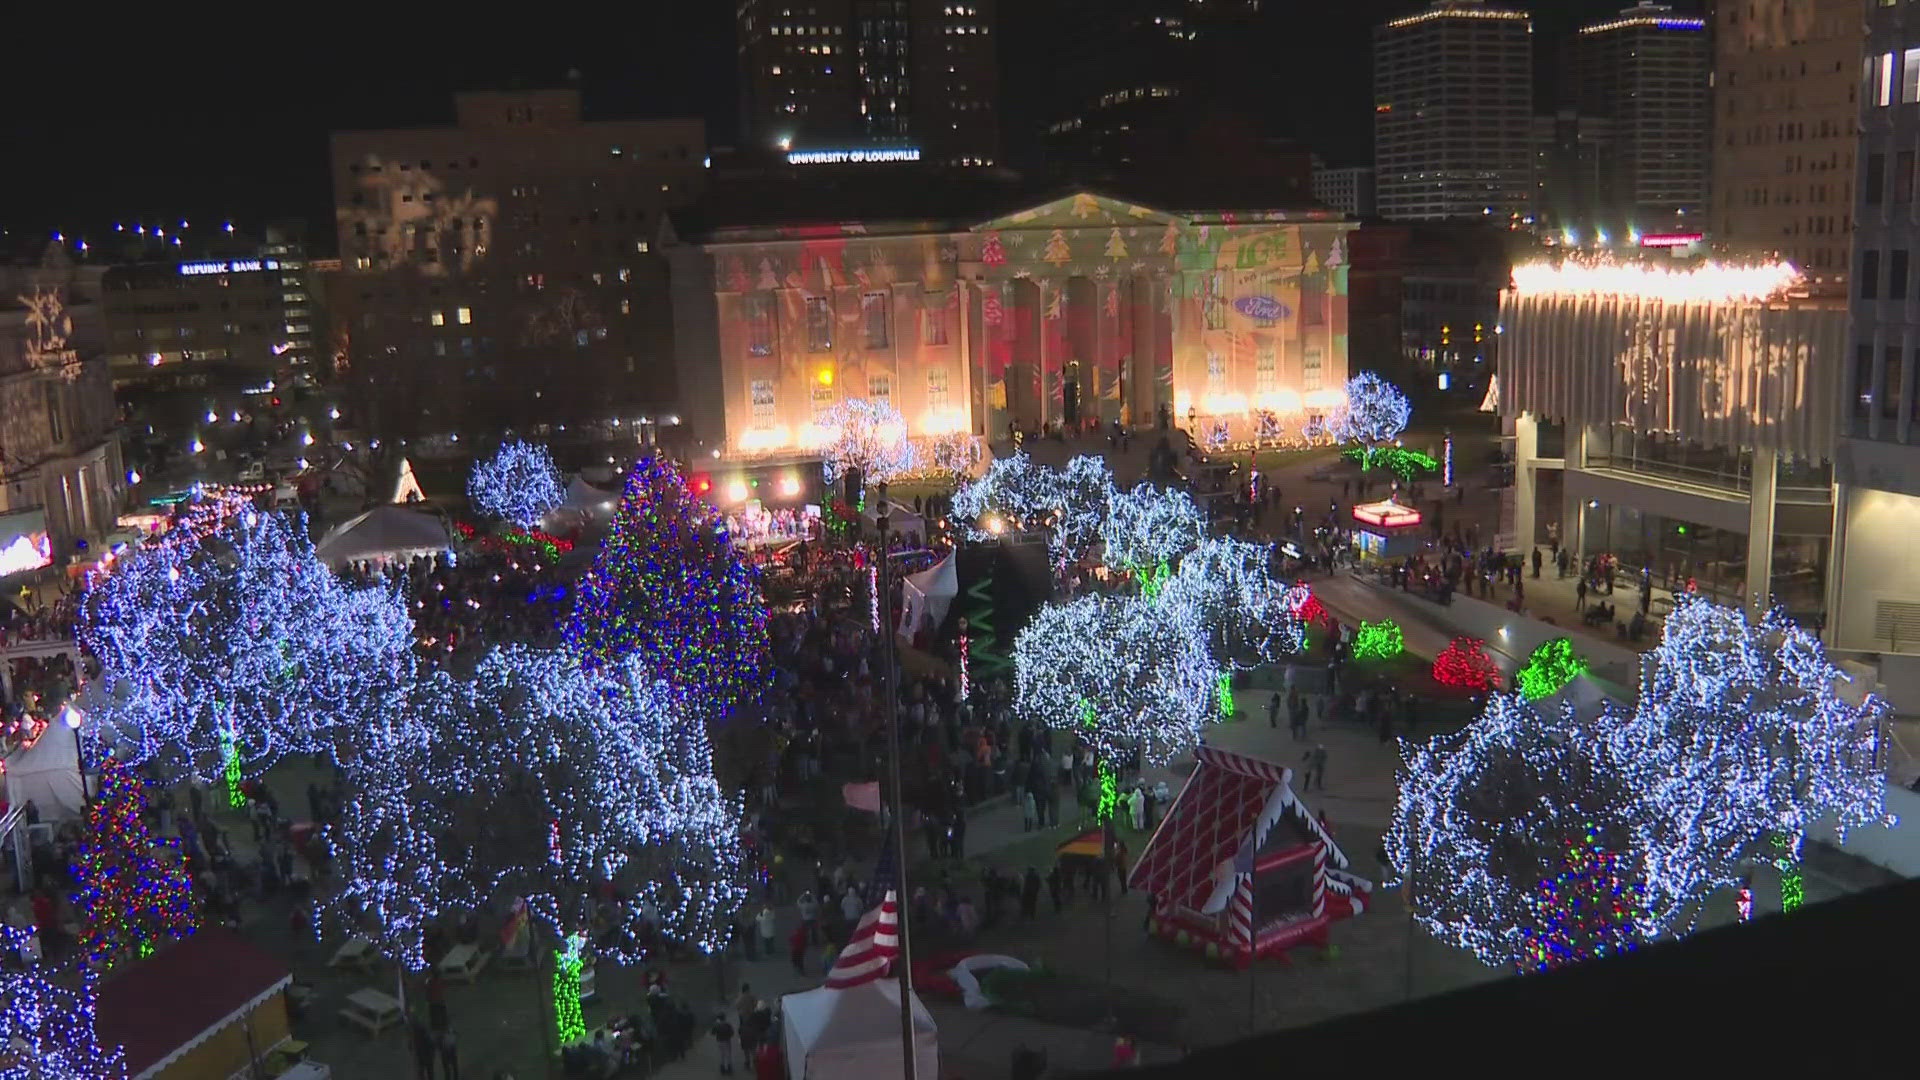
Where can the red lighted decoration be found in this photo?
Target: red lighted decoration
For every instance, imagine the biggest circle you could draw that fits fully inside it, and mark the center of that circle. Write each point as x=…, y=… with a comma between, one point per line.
x=1308, y=608
x=1386, y=515
x=1465, y=663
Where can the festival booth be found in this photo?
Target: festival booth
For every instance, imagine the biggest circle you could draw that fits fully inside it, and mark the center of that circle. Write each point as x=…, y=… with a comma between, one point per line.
x=406, y=487
x=1386, y=531
x=46, y=772
x=855, y=1033
x=1242, y=867
x=202, y=1009
x=927, y=595
x=384, y=534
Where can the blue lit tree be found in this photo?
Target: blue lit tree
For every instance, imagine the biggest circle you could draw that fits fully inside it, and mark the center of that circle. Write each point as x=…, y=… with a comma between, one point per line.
x=48, y=1026
x=1374, y=414
x=669, y=590
x=219, y=657
x=518, y=484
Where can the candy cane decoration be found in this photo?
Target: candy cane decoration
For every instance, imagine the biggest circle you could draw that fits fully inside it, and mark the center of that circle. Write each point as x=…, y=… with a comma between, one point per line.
x=873, y=594
x=1319, y=879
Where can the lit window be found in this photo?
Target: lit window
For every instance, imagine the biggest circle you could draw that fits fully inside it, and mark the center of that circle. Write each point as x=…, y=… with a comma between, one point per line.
x=880, y=389
x=937, y=389
x=759, y=317
x=463, y=316
x=626, y=274
x=641, y=246
x=1910, y=77
x=761, y=395
x=873, y=317
x=438, y=318
x=1883, y=79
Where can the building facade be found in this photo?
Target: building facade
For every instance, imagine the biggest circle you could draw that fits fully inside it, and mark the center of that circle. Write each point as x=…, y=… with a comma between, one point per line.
x=61, y=476
x=824, y=75
x=501, y=272
x=1078, y=311
x=1573, y=184
x=1786, y=102
x=1877, y=596
x=1680, y=419
x=1649, y=71
x=1453, y=113
x=1348, y=190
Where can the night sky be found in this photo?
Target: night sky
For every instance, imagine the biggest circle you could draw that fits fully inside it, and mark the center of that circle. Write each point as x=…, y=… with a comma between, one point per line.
x=202, y=118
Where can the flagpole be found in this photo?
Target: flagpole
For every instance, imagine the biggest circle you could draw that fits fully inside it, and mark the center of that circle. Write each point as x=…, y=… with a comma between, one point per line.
x=903, y=965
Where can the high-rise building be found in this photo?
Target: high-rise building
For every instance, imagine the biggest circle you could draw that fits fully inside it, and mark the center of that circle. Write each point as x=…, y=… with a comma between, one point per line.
x=1649, y=71
x=1785, y=103
x=1875, y=597
x=827, y=75
x=502, y=271
x=1573, y=184
x=1348, y=190
x=1453, y=113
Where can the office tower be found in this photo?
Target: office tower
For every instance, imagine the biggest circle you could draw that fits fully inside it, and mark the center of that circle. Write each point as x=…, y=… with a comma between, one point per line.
x=1786, y=101
x=826, y=75
x=501, y=272
x=1453, y=113
x=1348, y=190
x=1649, y=72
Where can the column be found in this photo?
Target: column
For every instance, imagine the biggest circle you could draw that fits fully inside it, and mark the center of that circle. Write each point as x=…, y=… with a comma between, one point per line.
x=1575, y=523
x=1766, y=472
x=1526, y=448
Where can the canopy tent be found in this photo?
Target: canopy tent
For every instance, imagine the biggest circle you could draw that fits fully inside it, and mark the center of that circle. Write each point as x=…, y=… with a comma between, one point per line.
x=48, y=774
x=383, y=533
x=927, y=595
x=583, y=506
x=901, y=519
x=1241, y=865
x=855, y=1033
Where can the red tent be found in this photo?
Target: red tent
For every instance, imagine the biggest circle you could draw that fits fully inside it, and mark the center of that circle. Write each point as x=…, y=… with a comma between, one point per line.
x=1241, y=866
x=161, y=1007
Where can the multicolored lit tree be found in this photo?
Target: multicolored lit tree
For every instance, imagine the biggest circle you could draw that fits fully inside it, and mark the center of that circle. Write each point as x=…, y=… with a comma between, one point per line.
x=1591, y=909
x=669, y=590
x=1373, y=415
x=134, y=890
x=519, y=484
x=221, y=656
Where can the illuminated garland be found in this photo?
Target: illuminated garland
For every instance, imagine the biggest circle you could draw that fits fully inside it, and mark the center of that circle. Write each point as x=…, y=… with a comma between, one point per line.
x=966, y=681
x=1464, y=663
x=512, y=540
x=1378, y=641
x=1375, y=413
x=669, y=589
x=48, y=1026
x=234, y=772
x=867, y=436
x=1549, y=669
x=518, y=484
x=1225, y=695
x=241, y=645
x=1407, y=463
x=568, y=964
x=131, y=895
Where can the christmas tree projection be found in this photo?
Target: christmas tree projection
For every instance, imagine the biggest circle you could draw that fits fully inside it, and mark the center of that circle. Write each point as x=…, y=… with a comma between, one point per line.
x=668, y=589
x=992, y=252
x=1116, y=245
x=1057, y=252
x=134, y=891
x=1591, y=909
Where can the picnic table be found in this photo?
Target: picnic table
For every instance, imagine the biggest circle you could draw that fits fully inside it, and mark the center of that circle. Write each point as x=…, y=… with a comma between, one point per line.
x=464, y=962
x=357, y=952
x=372, y=1010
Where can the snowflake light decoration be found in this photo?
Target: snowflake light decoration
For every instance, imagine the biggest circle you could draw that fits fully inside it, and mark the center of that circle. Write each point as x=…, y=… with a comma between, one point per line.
x=518, y=484
x=1149, y=526
x=869, y=437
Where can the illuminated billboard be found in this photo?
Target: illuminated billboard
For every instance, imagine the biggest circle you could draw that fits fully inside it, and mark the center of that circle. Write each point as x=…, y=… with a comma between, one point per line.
x=845, y=157
x=24, y=544
x=228, y=266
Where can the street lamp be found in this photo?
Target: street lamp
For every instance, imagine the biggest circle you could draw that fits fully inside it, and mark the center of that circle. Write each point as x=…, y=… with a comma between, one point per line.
x=904, y=964
x=72, y=717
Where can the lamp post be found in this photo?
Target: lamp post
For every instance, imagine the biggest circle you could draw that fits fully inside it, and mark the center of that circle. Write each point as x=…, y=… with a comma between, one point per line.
x=72, y=717
x=889, y=661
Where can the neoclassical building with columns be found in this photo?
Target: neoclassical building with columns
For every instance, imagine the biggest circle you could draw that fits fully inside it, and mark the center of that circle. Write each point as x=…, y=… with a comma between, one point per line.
x=1080, y=309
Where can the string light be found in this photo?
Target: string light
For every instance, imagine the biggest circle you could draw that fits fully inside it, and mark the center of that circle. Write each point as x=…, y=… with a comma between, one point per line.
x=1464, y=663
x=1374, y=413
x=568, y=965
x=519, y=484
x=133, y=888
x=48, y=1024
x=1222, y=587
x=1550, y=667
x=669, y=589
x=1397, y=459
x=1378, y=641
x=1015, y=493
x=868, y=437
x=1588, y=911
x=1149, y=526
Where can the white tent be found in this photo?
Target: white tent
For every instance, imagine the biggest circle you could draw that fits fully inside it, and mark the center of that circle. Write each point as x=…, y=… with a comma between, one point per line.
x=584, y=504
x=855, y=1033
x=49, y=774
x=384, y=532
x=901, y=519
x=928, y=594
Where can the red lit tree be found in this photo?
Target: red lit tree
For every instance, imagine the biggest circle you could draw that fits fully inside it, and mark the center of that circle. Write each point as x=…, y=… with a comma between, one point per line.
x=1465, y=663
x=134, y=889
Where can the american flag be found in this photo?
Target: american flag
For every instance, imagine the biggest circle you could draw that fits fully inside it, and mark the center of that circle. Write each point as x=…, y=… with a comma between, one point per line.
x=882, y=883
x=870, y=953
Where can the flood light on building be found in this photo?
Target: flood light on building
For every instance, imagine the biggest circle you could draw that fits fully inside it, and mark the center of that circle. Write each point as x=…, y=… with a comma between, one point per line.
x=1709, y=282
x=825, y=376
x=737, y=491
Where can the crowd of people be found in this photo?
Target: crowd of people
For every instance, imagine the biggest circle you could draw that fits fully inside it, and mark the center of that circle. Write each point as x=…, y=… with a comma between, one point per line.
x=482, y=598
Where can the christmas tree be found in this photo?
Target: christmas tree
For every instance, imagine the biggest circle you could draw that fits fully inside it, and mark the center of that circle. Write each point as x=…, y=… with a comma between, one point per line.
x=1057, y=250
x=134, y=890
x=1170, y=240
x=1584, y=912
x=668, y=589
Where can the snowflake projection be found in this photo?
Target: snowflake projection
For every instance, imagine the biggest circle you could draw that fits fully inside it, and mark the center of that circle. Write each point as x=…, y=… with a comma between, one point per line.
x=1743, y=732
x=49, y=327
x=868, y=437
x=1149, y=526
x=1486, y=815
x=240, y=647
x=1374, y=414
x=540, y=781
x=1247, y=618
x=1120, y=671
x=518, y=484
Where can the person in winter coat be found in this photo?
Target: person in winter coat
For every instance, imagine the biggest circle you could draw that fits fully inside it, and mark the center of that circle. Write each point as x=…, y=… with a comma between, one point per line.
x=722, y=1033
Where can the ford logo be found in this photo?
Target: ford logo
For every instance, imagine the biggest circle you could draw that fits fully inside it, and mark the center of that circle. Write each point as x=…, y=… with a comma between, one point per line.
x=1263, y=308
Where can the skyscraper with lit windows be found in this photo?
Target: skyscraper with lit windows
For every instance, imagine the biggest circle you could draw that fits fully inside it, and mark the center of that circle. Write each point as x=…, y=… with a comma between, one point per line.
x=822, y=75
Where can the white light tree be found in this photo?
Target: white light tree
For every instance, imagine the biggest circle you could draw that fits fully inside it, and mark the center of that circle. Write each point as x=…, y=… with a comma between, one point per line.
x=222, y=655
x=1119, y=671
x=1016, y=493
x=519, y=484
x=1082, y=498
x=1149, y=527
x=954, y=454
x=866, y=437
x=1745, y=735
x=1223, y=587
x=1374, y=414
